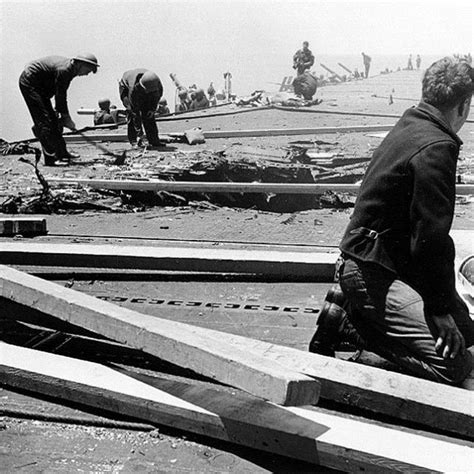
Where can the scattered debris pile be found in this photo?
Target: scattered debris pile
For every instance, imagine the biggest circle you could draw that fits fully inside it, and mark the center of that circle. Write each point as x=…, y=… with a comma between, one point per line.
x=295, y=166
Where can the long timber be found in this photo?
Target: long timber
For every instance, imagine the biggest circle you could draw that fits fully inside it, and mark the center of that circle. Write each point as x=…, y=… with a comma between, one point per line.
x=432, y=404
x=174, y=342
x=284, y=265
x=308, y=434
x=268, y=132
x=221, y=187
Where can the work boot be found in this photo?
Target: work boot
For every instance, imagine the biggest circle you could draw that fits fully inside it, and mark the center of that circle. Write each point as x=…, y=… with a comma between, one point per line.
x=334, y=326
x=336, y=296
x=49, y=161
x=70, y=155
x=326, y=339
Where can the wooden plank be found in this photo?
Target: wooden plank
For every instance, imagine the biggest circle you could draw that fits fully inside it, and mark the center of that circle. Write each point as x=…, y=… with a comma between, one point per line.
x=285, y=265
x=237, y=417
x=402, y=396
x=397, y=395
x=331, y=72
x=382, y=449
x=221, y=187
x=345, y=68
x=27, y=226
x=275, y=132
x=174, y=342
x=206, y=187
x=308, y=434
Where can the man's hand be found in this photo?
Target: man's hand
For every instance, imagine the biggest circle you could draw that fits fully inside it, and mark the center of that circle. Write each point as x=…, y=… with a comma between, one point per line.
x=67, y=122
x=450, y=341
x=150, y=114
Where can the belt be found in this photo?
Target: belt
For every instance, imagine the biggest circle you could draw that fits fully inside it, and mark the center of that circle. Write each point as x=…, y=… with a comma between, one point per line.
x=370, y=233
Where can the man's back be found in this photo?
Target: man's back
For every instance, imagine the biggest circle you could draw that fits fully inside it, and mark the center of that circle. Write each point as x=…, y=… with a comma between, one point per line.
x=407, y=196
x=45, y=73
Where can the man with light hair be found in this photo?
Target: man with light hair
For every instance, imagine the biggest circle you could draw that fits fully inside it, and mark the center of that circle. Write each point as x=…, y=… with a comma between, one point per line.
x=397, y=277
x=46, y=78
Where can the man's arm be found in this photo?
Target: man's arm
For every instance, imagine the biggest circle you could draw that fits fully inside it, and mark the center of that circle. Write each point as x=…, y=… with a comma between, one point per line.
x=431, y=248
x=63, y=81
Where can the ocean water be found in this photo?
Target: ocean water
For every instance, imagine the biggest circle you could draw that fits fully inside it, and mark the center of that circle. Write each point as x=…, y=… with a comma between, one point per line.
x=262, y=70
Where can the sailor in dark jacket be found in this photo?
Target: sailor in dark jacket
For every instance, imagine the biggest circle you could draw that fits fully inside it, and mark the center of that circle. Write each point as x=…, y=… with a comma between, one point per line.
x=140, y=91
x=39, y=82
x=397, y=278
x=303, y=59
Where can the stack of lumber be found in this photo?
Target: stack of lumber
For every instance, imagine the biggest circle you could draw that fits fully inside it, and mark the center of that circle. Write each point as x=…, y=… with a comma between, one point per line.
x=242, y=390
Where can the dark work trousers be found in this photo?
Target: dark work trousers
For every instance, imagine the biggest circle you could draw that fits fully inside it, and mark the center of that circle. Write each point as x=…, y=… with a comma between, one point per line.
x=388, y=314
x=137, y=117
x=367, y=69
x=46, y=124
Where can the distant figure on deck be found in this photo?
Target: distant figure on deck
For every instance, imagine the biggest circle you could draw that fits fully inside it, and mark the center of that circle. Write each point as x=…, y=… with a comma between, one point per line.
x=211, y=93
x=200, y=100
x=184, y=101
x=410, y=64
x=106, y=114
x=366, y=59
x=303, y=59
x=305, y=85
x=418, y=61
x=39, y=82
x=140, y=91
x=163, y=108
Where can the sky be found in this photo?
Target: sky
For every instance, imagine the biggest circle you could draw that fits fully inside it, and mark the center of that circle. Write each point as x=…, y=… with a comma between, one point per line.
x=201, y=39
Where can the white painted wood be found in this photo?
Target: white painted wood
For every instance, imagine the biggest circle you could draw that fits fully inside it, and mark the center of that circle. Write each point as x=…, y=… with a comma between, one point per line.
x=305, y=433
x=402, y=396
x=284, y=264
x=122, y=137
x=390, y=445
x=221, y=187
x=175, y=342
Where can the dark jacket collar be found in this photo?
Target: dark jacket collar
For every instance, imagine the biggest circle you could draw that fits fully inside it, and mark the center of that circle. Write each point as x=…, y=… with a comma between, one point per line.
x=435, y=114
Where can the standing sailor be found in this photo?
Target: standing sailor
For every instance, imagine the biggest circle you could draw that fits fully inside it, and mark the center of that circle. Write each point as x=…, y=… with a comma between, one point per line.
x=303, y=59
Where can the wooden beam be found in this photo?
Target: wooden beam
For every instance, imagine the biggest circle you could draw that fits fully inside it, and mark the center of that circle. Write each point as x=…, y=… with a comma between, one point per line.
x=397, y=395
x=221, y=187
x=206, y=187
x=233, y=416
x=308, y=434
x=27, y=226
x=331, y=72
x=122, y=137
x=282, y=264
x=402, y=396
x=345, y=68
x=174, y=342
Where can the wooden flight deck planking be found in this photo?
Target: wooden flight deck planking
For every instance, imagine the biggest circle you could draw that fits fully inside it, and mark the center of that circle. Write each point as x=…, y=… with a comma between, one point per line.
x=178, y=343
x=304, y=433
